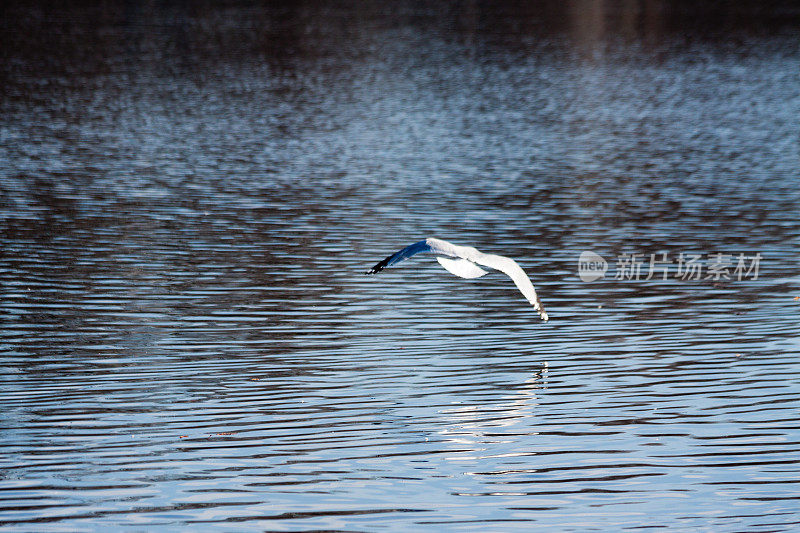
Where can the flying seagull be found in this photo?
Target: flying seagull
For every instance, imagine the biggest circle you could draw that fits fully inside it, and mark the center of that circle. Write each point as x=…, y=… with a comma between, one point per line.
x=465, y=265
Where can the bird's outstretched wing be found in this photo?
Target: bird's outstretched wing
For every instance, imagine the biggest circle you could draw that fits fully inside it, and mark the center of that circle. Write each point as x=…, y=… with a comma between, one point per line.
x=405, y=253
x=510, y=268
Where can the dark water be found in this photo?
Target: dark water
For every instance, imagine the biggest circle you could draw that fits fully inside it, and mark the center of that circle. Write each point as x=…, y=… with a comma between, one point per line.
x=189, y=197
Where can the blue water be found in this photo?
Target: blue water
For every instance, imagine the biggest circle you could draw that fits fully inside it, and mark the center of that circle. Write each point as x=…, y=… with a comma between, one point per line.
x=189, y=197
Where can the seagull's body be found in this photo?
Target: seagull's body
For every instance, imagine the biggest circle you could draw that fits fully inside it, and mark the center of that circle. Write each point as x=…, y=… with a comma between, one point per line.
x=466, y=265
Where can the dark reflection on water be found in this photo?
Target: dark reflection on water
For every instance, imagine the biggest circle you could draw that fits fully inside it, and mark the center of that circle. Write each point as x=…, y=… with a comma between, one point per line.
x=190, y=194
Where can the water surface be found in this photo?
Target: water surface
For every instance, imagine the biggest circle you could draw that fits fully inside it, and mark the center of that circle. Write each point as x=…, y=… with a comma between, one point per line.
x=189, y=197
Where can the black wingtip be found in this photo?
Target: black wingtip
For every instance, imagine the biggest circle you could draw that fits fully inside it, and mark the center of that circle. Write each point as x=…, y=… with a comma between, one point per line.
x=377, y=268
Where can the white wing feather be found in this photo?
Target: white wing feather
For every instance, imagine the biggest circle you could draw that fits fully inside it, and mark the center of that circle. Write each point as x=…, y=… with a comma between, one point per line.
x=466, y=265
x=461, y=267
x=510, y=268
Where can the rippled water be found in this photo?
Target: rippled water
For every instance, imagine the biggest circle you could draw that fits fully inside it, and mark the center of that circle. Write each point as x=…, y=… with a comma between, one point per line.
x=189, y=198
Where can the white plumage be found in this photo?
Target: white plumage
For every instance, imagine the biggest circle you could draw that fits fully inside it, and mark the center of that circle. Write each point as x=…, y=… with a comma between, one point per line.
x=466, y=265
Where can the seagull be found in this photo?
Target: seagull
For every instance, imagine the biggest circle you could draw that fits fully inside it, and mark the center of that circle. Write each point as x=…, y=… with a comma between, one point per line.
x=466, y=265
